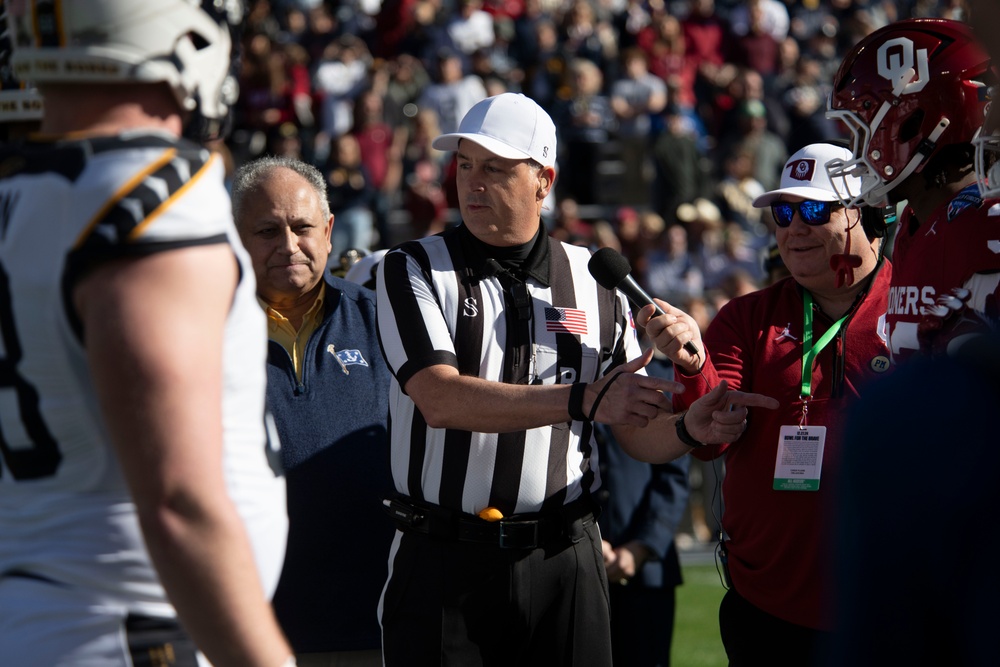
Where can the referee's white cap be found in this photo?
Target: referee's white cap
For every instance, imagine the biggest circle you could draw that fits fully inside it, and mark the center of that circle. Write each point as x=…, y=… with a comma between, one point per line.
x=510, y=125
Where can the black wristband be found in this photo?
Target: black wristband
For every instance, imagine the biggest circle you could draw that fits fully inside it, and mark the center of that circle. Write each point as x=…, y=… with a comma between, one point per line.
x=684, y=436
x=576, y=401
x=597, y=401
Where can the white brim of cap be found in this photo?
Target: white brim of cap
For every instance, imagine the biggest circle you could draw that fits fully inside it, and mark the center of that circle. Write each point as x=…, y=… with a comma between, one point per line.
x=816, y=194
x=449, y=142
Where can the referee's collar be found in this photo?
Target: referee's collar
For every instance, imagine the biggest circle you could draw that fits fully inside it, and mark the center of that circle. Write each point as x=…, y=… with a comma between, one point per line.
x=536, y=264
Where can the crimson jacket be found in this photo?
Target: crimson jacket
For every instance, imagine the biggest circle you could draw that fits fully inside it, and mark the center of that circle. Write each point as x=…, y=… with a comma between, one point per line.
x=778, y=541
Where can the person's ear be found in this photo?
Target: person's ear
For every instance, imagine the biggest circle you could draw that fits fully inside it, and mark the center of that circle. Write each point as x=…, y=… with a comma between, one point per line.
x=876, y=220
x=544, y=184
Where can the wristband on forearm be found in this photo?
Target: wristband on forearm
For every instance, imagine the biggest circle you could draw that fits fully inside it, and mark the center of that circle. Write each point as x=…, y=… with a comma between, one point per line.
x=604, y=390
x=576, y=401
x=684, y=436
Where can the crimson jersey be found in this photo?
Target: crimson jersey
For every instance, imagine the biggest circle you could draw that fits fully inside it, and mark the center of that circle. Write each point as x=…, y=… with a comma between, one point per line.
x=959, y=246
x=778, y=541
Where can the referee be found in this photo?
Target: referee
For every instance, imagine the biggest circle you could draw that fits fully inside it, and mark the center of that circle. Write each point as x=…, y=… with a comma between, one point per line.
x=504, y=351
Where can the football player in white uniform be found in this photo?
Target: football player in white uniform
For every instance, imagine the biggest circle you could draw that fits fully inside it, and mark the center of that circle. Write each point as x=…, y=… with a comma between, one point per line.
x=142, y=519
x=913, y=95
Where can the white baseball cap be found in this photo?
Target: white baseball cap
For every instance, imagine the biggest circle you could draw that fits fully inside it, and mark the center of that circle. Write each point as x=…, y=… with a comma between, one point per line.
x=805, y=175
x=510, y=125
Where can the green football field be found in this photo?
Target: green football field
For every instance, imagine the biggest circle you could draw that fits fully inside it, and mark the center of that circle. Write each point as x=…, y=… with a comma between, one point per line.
x=696, y=627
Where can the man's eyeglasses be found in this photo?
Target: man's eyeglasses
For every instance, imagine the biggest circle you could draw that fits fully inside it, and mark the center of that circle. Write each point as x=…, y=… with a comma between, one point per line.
x=811, y=212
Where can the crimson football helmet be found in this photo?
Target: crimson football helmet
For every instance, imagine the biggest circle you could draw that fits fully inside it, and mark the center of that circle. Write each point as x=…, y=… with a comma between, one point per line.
x=904, y=92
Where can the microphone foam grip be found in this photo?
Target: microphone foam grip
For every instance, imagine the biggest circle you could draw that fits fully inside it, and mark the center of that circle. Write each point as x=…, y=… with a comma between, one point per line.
x=609, y=267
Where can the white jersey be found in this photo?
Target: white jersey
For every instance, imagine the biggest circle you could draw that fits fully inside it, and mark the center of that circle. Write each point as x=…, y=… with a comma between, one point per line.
x=67, y=523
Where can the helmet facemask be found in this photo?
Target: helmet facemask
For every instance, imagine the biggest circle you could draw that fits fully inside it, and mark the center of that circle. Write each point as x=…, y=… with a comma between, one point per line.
x=987, y=155
x=859, y=167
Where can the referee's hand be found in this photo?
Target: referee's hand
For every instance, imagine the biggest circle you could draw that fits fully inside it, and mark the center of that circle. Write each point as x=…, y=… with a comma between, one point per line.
x=627, y=398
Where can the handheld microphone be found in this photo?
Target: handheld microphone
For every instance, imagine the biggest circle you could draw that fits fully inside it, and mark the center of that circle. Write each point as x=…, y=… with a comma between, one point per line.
x=612, y=271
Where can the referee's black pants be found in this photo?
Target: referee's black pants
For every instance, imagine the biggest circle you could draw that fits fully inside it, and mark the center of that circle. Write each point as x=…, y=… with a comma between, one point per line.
x=461, y=604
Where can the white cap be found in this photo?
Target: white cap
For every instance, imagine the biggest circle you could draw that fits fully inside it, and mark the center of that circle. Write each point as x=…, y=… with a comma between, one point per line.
x=510, y=125
x=805, y=175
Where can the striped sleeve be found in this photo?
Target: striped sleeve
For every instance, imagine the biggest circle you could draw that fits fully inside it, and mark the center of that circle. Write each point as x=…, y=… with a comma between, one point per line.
x=412, y=328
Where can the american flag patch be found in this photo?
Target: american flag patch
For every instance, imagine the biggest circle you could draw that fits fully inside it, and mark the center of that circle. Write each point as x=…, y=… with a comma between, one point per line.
x=566, y=320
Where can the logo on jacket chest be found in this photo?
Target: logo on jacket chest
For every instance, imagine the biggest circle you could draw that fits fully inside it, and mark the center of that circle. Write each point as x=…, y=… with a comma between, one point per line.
x=785, y=334
x=347, y=358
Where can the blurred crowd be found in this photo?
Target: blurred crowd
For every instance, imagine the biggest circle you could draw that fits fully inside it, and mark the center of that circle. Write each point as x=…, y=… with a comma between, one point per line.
x=672, y=116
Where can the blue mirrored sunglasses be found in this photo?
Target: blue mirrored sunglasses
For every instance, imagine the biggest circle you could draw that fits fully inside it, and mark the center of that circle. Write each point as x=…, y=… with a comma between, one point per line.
x=811, y=212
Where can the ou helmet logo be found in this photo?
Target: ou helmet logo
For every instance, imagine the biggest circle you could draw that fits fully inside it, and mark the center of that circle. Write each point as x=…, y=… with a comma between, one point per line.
x=896, y=59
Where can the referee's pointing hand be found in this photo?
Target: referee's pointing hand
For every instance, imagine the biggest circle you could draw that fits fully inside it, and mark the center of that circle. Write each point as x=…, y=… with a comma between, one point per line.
x=625, y=397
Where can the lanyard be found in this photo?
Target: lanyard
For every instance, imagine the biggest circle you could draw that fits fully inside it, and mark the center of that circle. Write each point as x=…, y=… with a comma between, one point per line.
x=809, y=351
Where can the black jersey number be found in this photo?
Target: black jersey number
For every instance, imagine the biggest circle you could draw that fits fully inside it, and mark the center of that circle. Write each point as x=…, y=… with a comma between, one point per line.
x=40, y=457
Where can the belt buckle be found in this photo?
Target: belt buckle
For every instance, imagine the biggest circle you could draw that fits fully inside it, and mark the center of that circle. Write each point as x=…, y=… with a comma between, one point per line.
x=518, y=534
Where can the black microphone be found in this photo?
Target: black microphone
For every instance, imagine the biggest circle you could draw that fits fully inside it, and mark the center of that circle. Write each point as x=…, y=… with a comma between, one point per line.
x=492, y=268
x=612, y=271
x=518, y=290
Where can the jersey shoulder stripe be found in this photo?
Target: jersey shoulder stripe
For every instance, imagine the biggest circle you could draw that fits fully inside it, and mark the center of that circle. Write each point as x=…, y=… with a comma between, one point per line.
x=145, y=196
x=163, y=172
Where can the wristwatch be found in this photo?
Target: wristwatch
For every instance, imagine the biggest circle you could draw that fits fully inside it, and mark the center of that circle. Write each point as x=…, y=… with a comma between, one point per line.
x=684, y=436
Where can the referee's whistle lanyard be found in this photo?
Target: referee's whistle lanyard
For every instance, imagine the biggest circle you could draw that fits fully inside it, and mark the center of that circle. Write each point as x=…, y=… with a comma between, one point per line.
x=811, y=350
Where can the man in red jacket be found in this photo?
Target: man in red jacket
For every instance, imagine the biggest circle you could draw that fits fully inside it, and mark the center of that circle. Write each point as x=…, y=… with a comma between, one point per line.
x=812, y=341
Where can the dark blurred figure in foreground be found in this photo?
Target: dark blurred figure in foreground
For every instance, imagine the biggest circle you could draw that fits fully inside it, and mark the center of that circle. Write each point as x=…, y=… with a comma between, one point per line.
x=916, y=554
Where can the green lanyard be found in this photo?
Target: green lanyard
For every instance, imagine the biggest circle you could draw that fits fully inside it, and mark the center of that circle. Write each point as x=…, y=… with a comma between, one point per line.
x=809, y=351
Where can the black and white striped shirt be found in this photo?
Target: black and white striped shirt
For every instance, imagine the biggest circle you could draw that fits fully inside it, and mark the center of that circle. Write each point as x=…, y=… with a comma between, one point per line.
x=439, y=304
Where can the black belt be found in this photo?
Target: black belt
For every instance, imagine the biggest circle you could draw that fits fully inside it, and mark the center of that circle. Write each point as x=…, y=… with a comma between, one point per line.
x=519, y=531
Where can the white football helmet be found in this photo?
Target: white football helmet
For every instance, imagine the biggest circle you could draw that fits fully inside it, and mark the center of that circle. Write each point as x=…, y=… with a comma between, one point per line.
x=191, y=45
